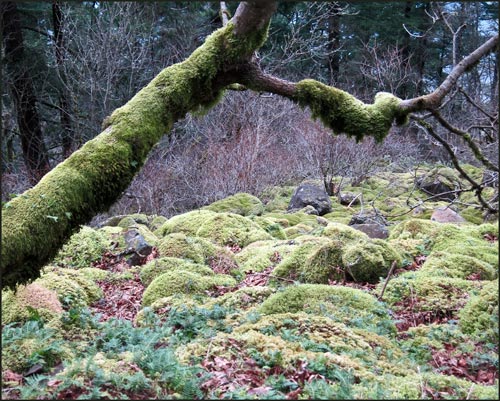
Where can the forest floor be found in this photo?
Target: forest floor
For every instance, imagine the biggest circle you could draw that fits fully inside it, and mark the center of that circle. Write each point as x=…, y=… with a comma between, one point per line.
x=243, y=300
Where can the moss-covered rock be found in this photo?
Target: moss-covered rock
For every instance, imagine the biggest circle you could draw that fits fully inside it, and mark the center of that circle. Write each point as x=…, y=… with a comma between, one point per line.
x=158, y=266
x=276, y=199
x=83, y=248
x=241, y=203
x=187, y=223
x=16, y=304
x=156, y=222
x=183, y=282
x=231, y=229
x=369, y=261
x=271, y=226
x=353, y=307
x=480, y=315
x=447, y=264
x=179, y=245
x=73, y=289
x=342, y=232
x=297, y=230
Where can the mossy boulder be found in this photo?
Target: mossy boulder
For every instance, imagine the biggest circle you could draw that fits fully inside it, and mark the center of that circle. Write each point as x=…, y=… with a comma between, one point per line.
x=83, y=248
x=353, y=307
x=158, y=266
x=297, y=230
x=21, y=305
x=241, y=203
x=156, y=222
x=445, y=264
x=231, y=229
x=198, y=250
x=73, y=289
x=369, y=261
x=182, y=282
x=440, y=180
x=276, y=199
x=187, y=223
x=343, y=232
x=480, y=315
x=271, y=226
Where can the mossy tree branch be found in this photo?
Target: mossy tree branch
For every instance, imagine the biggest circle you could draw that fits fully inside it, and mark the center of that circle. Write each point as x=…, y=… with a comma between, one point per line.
x=36, y=223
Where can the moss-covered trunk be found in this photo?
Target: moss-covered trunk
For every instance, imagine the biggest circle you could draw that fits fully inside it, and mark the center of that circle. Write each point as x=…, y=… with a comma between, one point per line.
x=36, y=223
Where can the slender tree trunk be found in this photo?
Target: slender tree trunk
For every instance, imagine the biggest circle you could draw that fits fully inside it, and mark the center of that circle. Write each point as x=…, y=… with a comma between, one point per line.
x=334, y=42
x=21, y=85
x=64, y=102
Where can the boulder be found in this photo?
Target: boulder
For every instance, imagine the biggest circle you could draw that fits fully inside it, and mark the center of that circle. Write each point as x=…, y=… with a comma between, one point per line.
x=446, y=215
x=137, y=244
x=440, y=181
x=372, y=230
x=312, y=194
x=368, y=218
x=348, y=198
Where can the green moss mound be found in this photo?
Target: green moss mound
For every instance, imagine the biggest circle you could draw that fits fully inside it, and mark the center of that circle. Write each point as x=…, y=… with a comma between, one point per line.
x=343, y=232
x=447, y=264
x=241, y=203
x=182, y=282
x=429, y=293
x=244, y=298
x=369, y=261
x=271, y=226
x=161, y=265
x=198, y=250
x=83, y=248
x=480, y=315
x=231, y=229
x=187, y=223
x=353, y=307
x=27, y=301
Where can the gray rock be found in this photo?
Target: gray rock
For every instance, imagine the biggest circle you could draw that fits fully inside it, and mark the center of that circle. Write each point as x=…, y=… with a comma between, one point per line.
x=347, y=198
x=313, y=195
x=446, y=215
x=137, y=246
x=372, y=218
x=372, y=230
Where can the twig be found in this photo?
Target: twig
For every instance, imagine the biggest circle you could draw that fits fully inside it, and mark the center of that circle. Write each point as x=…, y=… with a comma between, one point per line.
x=394, y=264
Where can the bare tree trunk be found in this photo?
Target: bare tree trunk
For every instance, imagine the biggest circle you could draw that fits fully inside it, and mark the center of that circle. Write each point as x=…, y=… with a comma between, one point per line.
x=64, y=102
x=34, y=151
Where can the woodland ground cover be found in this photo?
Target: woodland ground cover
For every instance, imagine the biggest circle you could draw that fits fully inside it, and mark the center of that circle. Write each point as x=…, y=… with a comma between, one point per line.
x=242, y=300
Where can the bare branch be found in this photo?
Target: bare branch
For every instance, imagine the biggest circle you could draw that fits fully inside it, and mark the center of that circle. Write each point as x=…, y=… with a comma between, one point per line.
x=434, y=99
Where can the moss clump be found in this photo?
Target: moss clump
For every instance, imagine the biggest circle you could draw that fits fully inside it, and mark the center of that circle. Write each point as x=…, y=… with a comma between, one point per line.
x=244, y=298
x=198, y=250
x=350, y=306
x=342, y=232
x=343, y=113
x=480, y=315
x=294, y=218
x=409, y=387
x=447, y=264
x=231, y=229
x=187, y=223
x=368, y=261
x=182, y=282
x=16, y=304
x=271, y=226
x=428, y=293
x=415, y=229
x=277, y=199
x=157, y=222
x=153, y=269
x=297, y=230
x=83, y=248
x=73, y=289
x=241, y=203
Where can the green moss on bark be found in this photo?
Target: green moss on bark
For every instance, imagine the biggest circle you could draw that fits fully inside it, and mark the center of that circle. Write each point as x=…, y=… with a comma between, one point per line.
x=343, y=113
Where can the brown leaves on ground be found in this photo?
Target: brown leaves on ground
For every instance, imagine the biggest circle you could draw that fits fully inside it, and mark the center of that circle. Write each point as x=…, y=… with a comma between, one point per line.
x=122, y=299
x=464, y=364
